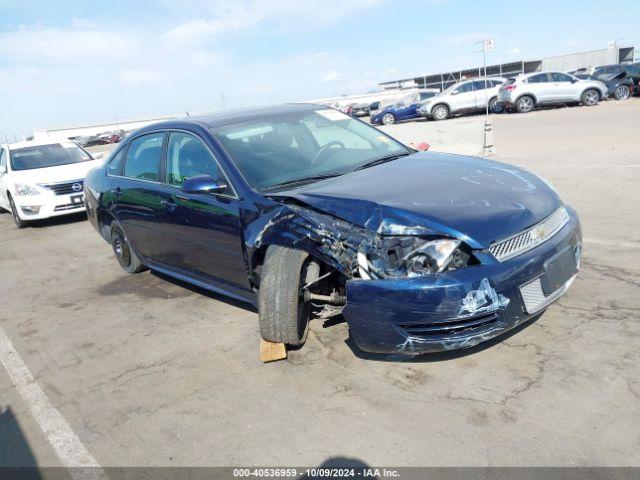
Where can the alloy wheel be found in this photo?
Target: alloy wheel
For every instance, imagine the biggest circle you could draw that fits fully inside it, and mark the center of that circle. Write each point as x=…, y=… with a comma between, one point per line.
x=388, y=119
x=591, y=98
x=623, y=92
x=440, y=113
x=525, y=104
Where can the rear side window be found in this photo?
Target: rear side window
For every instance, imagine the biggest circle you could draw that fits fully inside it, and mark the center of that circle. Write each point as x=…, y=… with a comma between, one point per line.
x=188, y=157
x=540, y=78
x=143, y=157
x=115, y=165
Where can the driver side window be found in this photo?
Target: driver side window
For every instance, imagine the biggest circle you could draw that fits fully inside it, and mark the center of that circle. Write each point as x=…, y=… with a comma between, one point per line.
x=188, y=157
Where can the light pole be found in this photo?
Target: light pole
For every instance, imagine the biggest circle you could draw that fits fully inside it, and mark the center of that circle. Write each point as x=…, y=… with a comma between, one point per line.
x=487, y=45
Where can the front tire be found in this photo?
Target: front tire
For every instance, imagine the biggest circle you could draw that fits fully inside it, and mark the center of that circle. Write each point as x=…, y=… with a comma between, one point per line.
x=14, y=213
x=440, y=112
x=590, y=97
x=525, y=104
x=388, y=119
x=125, y=255
x=622, y=92
x=284, y=313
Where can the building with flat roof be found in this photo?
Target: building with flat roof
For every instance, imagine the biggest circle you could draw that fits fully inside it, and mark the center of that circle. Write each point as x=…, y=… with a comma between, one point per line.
x=562, y=63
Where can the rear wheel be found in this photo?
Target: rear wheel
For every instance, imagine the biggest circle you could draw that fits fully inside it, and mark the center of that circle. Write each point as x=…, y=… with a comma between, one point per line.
x=14, y=213
x=284, y=312
x=622, y=92
x=440, y=112
x=495, y=106
x=125, y=255
x=590, y=97
x=388, y=119
x=525, y=104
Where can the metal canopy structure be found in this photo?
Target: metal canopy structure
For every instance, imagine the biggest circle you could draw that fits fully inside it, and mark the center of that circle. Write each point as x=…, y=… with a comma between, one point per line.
x=571, y=61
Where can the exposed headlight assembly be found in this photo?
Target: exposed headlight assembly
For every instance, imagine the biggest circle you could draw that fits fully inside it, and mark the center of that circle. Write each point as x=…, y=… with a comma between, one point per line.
x=23, y=189
x=397, y=257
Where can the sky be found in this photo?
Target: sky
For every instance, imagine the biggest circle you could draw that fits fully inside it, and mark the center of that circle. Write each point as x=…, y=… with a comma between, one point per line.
x=69, y=63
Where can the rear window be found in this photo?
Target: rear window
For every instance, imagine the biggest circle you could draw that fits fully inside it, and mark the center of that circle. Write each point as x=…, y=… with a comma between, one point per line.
x=44, y=156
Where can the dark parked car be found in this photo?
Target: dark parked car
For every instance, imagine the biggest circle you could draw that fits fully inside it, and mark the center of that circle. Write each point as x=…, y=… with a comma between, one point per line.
x=622, y=70
x=307, y=212
x=360, y=109
x=619, y=86
x=405, y=109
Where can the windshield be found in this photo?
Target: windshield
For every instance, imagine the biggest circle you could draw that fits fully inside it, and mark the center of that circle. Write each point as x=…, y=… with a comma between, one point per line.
x=294, y=146
x=43, y=156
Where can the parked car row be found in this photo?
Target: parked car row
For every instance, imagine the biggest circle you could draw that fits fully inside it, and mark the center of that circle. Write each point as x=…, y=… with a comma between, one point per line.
x=100, y=139
x=522, y=93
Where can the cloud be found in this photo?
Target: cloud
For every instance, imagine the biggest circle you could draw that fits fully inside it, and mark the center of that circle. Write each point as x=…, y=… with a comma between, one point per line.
x=469, y=38
x=573, y=42
x=241, y=15
x=513, y=51
x=333, y=76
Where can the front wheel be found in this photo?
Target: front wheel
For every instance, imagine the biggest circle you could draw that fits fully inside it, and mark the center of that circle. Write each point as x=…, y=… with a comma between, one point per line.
x=14, y=213
x=283, y=310
x=388, y=119
x=622, y=92
x=590, y=98
x=125, y=255
x=440, y=112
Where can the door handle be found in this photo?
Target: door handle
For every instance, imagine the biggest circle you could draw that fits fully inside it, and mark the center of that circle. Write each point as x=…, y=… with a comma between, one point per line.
x=116, y=191
x=169, y=205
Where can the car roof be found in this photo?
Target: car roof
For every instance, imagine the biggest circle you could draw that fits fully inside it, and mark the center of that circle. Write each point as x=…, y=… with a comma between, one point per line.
x=228, y=117
x=34, y=143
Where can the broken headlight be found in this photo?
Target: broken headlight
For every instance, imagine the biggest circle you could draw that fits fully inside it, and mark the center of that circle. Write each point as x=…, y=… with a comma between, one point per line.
x=411, y=257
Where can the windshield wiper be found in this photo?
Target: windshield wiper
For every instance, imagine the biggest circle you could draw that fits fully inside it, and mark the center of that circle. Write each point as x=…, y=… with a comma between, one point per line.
x=378, y=161
x=302, y=181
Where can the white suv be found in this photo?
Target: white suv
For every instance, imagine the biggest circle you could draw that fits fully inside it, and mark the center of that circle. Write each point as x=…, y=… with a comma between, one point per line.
x=525, y=92
x=41, y=180
x=463, y=97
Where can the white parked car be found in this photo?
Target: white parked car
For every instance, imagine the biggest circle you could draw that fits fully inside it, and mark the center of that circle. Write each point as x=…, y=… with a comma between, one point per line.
x=464, y=97
x=525, y=92
x=41, y=180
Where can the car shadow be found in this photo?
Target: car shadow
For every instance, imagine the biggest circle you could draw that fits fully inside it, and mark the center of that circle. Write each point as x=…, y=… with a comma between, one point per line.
x=16, y=456
x=439, y=356
x=207, y=293
x=56, y=221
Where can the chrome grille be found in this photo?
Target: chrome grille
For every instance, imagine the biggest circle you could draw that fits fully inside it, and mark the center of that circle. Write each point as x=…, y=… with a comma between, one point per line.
x=65, y=188
x=534, y=298
x=531, y=237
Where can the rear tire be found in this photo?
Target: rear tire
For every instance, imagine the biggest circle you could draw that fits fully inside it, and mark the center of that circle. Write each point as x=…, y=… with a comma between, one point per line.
x=14, y=213
x=440, y=112
x=590, y=97
x=525, y=104
x=127, y=258
x=622, y=92
x=284, y=313
x=495, y=106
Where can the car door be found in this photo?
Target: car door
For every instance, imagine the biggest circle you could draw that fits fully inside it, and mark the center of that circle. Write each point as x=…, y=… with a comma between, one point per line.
x=540, y=86
x=134, y=194
x=462, y=98
x=202, y=231
x=481, y=93
x=4, y=178
x=564, y=87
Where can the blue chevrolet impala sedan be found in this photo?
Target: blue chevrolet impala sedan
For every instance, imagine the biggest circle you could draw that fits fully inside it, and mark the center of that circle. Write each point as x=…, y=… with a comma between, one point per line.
x=308, y=213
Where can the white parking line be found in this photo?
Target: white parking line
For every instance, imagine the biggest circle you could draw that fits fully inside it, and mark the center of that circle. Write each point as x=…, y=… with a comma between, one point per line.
x=612, y=243
x=67, y=445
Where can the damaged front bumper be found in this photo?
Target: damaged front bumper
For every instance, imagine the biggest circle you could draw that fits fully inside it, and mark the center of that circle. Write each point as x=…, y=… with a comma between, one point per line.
x=461, y=308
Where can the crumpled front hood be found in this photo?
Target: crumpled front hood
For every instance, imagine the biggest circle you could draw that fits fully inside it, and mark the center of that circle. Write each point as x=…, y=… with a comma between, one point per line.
x=477, y=200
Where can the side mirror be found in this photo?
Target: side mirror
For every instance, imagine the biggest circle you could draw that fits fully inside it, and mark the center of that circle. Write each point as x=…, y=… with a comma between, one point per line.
x=3, y=169
x=455, y=92
x=203, y=184
x=99, y=156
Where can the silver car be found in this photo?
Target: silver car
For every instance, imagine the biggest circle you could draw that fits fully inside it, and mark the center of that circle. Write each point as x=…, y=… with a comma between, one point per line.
x=525, y=92
x=463, y=97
